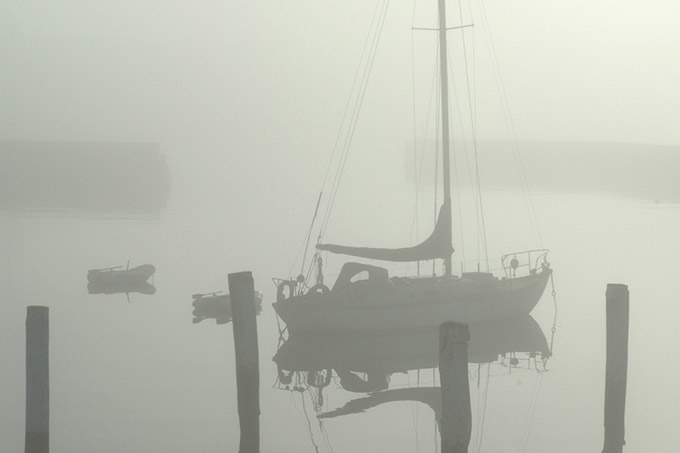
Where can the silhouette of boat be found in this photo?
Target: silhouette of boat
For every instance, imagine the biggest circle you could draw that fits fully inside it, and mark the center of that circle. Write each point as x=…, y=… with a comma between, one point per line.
x=217, y=306
x=364, y=297
x=381, y=302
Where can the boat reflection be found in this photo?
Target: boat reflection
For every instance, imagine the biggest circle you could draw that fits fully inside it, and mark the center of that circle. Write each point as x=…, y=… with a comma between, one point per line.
x=217, y=306
x=513, y=342
x=121, y=288
x=402, y=365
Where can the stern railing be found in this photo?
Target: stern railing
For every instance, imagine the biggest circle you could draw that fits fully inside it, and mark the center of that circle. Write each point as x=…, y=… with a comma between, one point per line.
x=526, y=262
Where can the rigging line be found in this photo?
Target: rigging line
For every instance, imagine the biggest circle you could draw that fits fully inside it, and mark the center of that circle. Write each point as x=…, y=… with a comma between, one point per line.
x=324, y=435
x=359, y=98
x=521, y=446
x=348, y=139
x=415, y=418
x=467, y=162
x=342, y=122
x=324, y=431
x=436, y=435
x=292, y=266
x=434, y=93
x=484, y=406
x=302, y=245
x=352, y=100
x=474, y=75
x=309, y=423
x=418, y=168
x=474, y=111
x=531, y=413
x=474, y=139
x=458, y=27
x=554, y=326
x=476, y=191
x=310, y=269
x=437, y=143
x=478, y=403
x=309, y=234
x=414, y=224
x=349, y=98
x=508, y=118
x=436, y=158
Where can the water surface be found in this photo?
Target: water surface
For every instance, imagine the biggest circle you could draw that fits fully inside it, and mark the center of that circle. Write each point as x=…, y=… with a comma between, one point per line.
x=137, y=375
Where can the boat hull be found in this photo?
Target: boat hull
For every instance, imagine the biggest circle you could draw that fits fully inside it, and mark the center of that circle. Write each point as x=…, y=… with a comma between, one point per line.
x=136, y=275
x=415, y=303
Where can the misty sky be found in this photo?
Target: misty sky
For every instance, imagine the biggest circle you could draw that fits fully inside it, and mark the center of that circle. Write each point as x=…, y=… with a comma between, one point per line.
x=258, y=73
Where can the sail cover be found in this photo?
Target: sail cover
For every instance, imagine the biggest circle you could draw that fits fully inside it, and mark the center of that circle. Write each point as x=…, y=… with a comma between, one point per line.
x=438, y=245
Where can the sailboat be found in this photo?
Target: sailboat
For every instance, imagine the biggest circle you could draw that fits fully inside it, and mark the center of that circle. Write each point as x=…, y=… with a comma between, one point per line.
x=365, y=297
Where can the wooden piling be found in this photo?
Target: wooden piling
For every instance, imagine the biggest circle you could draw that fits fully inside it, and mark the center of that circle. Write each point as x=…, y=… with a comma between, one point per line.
x=37, y=380
x=244, y=312
x=456, y=420
x=617, y=368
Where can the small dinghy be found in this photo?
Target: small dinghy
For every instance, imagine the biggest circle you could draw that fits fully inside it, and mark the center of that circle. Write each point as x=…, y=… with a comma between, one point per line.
x=217, y=306
x=113, y=276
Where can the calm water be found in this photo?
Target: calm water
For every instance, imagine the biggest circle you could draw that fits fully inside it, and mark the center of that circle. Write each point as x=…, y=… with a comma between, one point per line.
x=140, y=377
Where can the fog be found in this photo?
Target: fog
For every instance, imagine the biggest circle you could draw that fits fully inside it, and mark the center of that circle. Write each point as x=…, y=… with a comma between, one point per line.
x=230, y=73
x=196, y=137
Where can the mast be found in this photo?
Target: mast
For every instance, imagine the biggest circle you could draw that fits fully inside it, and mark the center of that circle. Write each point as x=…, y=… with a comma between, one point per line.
x=438, y=245
x=446, y=166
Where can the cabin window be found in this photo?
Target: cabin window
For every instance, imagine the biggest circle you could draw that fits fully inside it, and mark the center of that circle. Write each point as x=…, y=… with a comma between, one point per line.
x=359, y=277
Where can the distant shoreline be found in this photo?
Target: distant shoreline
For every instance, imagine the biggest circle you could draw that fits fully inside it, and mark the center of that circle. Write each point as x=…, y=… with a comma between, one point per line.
x=83, y=177
x=639, y=170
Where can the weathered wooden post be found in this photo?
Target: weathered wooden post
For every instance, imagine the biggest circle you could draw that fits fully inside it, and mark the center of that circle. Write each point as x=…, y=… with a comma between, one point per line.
x=37, y=380
x=456, y=420
x=242, y=291
x=617, y=368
